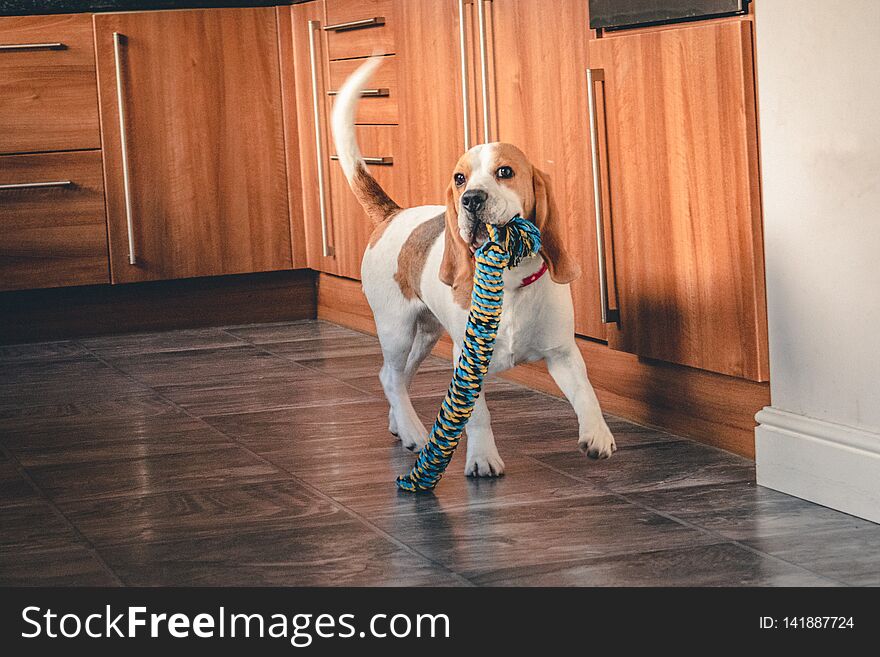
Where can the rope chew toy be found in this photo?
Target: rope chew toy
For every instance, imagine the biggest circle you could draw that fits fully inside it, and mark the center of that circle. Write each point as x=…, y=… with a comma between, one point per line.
x=506, y=247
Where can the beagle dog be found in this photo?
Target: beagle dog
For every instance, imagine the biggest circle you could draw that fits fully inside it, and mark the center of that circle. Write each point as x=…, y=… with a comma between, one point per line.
x=417, y=274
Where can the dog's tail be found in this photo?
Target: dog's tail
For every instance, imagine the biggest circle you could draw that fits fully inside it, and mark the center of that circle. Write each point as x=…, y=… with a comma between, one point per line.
x=376, y=203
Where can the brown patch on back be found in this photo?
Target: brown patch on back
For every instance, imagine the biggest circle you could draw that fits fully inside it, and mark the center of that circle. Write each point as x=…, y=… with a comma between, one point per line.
x=379, y=230
x=414, y=253
x=376, y=203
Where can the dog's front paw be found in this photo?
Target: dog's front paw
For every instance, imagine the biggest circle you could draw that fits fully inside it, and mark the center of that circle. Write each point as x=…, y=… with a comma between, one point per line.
x=413, y=440
x=599, y=444
x=484, y=465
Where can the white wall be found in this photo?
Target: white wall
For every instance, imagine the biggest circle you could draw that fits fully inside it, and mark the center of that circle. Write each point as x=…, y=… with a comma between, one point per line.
x=818, y=71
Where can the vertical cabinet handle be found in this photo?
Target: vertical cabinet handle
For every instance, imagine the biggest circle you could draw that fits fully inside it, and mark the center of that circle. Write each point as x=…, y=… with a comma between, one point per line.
x=484, y=69
x=126, y=182
x=609, y=315
x=465, y=101
x=326, y=250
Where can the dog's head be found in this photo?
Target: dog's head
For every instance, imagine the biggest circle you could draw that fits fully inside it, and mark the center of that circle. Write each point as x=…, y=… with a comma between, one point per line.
x=491, y=184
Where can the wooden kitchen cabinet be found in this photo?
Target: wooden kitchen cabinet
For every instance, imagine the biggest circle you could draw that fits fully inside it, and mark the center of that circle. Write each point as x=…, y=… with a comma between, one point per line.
x=48, y=89
x=52, y=227
x=676, y=111
x=433, y=93
x=194, y=155
x=306, y=115
x=540, y=104
x=336, y=228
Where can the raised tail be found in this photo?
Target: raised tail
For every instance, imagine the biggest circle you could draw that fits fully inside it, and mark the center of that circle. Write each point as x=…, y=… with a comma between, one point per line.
x=376, y=203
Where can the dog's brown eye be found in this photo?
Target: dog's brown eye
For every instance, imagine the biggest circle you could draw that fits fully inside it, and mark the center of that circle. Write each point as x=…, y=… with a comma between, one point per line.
x=459, y=179
x=504, y=172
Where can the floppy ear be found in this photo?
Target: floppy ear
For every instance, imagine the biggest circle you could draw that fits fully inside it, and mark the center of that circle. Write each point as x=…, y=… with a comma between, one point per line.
x=456, y=267
x=560, y=264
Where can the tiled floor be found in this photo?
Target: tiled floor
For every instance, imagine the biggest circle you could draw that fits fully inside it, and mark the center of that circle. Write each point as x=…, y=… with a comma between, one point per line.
x=260, y=455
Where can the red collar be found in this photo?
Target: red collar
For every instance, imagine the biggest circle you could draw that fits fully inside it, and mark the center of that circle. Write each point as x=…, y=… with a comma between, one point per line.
x=531, y=278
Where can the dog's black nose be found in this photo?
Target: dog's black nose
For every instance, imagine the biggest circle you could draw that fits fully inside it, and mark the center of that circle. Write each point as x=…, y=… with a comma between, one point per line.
x=474, y=200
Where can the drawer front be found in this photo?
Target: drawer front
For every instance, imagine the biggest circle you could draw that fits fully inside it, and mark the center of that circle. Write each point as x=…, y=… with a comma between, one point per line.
x=351, y=226
x=379, y=102
x=49, y=91
x=53, y=230
x=359, y=40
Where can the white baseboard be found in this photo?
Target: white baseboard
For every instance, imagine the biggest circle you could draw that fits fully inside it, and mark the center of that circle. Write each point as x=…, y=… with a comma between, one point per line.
x=830, y=464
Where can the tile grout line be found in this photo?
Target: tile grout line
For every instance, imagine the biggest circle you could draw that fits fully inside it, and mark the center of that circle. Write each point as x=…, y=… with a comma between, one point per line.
x=311, y=487
x=85, y=542
x=681, y=521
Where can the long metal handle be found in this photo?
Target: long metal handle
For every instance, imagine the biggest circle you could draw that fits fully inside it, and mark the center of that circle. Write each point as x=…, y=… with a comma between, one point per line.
x=484, y=69
x=36, y=185
x=123, y=141
x=367, y=93
x=55, y=45
x=326, y=250
x=609, y=315
x=465, y=101
x=353, y=25
x=371, y=160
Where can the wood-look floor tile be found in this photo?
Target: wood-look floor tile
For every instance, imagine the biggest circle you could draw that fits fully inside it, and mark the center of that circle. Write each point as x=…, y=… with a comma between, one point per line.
x=39, y=351
x=309, y=329
x=342, y=554
x=200, y=514
x=287, y=386
x=64, y=381
x=265, y=431
x=15, y=489
x=188, y=437
x=476, y=542
x=745, y=511
x=34, y=527
x=143, y=406
x=72, y=566
x=172, y=368
x=101, y=431
x=114, y=346
x=204, y=468
x=850, y=556
x=367, y=366
x=174, y=501
x=329, y=347
x=663, y=465
x=724, y=564
x=373, y=494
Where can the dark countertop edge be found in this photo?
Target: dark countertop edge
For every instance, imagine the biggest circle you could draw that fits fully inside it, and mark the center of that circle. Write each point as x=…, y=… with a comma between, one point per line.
x=35, y=8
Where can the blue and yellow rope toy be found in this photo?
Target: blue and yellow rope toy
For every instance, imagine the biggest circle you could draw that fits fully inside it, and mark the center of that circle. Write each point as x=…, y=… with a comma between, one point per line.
x=506, y=247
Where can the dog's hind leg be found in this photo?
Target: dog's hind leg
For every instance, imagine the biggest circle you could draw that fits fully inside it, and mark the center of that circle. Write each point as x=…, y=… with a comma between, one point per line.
x=428, y=331
x=399, y=339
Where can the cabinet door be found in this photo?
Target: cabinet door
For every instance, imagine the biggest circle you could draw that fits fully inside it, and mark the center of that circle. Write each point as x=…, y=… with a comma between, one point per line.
x=308, y=52
x=682, y=171
x=540, y=58
x=194, y=165
x=431, y=96
x=305, y=94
